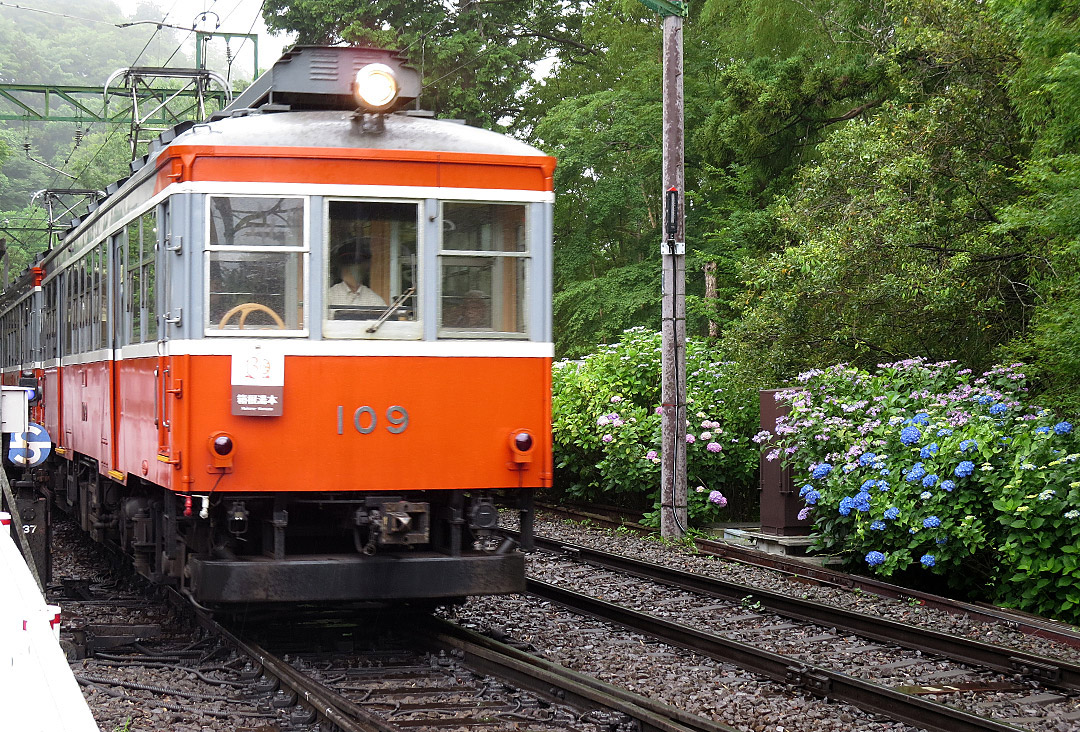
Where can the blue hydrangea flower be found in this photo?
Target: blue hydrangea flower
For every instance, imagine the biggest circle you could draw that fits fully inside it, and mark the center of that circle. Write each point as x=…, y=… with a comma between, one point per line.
x=811, y=498
x=921, y=418
x=805, y=489
x=926, y=495
x=928, y=451
x=964, y=469
x=915, y=472
x=875, y=558
x=1044, y=430
x=984, y=399
x=942, y=541
x=866, y=458
x=846, y=504
x=867, y=484
x=877, y=526
x=1062, y=428
x=861, y=502
x=910, y=435
x=944, y=432
x=998, y=408
x=927, y=560
x=931, y=522
x=882, y=486
x=821, y=471
x=930, y=481
x=966, y=445
x=883, y=471
x=892, y=513
x=947, y=485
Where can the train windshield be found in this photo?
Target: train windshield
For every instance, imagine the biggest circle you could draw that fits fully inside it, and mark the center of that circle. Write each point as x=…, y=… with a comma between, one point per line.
x=256, y=255
x=372, y=283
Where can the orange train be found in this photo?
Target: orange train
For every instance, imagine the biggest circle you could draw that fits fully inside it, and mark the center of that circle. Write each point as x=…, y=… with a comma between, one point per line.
x=295, y=356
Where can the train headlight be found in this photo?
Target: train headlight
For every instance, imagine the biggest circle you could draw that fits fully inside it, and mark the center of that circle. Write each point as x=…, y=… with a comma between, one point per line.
x=376, y=87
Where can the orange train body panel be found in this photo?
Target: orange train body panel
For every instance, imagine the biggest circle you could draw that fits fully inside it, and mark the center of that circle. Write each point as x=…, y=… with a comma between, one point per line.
x=458, y=408
x=182, y=163
x=461, y=415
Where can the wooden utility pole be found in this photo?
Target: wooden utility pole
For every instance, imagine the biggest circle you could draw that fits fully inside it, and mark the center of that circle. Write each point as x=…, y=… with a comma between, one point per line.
x=673, y=520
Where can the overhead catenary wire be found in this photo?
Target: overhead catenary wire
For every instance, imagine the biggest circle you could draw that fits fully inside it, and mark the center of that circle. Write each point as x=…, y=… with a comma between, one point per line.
x=157, y=29
x=161, y=24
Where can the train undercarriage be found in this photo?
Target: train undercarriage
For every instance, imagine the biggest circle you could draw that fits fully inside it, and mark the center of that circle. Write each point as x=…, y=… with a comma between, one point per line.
x=292, y=547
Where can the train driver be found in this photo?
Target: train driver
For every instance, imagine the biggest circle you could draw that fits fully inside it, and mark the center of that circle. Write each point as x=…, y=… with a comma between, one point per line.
x=353, y=268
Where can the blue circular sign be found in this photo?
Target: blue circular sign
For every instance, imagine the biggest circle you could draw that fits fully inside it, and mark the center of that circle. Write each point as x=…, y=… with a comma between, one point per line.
x=30, y=449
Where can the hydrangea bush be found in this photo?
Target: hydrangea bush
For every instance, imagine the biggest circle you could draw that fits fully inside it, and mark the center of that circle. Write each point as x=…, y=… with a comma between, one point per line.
x=928, y=467
x=606, y=423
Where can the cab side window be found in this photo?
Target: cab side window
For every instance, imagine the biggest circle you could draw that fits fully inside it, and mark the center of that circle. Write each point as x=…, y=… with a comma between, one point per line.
x=484, y=262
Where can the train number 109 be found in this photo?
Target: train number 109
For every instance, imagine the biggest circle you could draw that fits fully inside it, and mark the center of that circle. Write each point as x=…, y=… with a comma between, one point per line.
x=365, y=420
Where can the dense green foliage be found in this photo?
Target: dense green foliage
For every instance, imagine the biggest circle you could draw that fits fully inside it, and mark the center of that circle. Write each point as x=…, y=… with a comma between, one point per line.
x=870, y=182
x=925, y=467
x=606, y=425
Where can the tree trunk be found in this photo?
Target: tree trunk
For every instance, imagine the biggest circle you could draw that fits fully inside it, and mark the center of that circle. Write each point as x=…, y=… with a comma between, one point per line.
x=710, y=298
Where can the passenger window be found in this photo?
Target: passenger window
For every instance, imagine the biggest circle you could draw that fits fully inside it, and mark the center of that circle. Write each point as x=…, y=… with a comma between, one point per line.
x=371, y=285
x=484, y=269
x=255, y=265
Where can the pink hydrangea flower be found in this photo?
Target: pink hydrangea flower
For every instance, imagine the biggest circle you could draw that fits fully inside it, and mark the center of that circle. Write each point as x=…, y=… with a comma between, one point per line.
x=607, y=438
x=714, y=447
x=718, y=498
x=690, y=439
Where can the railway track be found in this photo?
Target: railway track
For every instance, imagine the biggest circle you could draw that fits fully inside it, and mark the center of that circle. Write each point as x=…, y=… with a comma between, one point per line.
x=148, y=658
x=876, y=664
x=808, y=572
x=435, y=674
x=745, y=647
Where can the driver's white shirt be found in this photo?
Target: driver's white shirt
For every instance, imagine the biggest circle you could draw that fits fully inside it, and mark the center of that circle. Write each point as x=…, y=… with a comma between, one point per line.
x=340, y=294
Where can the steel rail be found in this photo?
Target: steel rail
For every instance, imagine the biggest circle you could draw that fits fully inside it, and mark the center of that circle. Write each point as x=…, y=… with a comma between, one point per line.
x=544, y=677
x=1013, y=619
x=327, y=704
x=816, y=680
x=485, y=656
x=1048, y=671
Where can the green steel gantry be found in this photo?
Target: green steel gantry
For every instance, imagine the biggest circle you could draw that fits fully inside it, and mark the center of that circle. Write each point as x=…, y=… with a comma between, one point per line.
x=53, y=103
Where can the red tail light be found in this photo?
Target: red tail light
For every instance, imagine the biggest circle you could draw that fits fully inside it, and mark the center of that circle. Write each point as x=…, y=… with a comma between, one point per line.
x=521, y=445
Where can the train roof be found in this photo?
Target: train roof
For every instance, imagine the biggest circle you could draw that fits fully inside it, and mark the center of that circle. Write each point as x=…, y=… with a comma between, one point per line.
x=306, y=101
x=341, y=129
